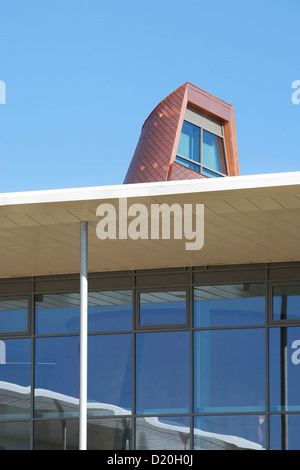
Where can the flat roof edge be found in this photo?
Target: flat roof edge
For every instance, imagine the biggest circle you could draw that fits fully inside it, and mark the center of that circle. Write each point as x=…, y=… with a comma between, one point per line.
x=164, y=188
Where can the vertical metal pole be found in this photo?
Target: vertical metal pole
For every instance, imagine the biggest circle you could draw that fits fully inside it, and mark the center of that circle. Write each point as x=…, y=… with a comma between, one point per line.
x=83, y=336
x=284, y=376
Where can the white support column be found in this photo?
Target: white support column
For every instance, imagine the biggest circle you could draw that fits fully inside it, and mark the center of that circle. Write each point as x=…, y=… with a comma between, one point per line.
x=83, y=335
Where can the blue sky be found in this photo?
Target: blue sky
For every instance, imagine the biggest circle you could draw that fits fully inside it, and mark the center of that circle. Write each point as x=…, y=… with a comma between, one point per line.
x=81, y=77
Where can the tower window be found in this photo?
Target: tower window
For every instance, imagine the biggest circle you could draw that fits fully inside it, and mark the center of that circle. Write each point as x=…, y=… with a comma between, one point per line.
x=201, y=146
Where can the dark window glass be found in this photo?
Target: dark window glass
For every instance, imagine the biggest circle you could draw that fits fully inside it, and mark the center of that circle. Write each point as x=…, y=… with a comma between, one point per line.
x=284, y=356
x=189, y=142
x=15, y=435
x=15, y=378
x=13, y=315
x=163, y=308
x=284, y=432
x=162, y=372
x=229, y=305
x=56, y=435
x=286, y=303
x=57, y=376
x=57, y=313
x=213, y=152
x=109, y=434
x=239, y=432
x=110, y=311
x=110, y=374
x=229, y=370
x=158, y=432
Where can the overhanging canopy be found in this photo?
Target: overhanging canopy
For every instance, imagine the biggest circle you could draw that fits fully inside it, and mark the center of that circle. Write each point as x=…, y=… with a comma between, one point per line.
x=247, y=219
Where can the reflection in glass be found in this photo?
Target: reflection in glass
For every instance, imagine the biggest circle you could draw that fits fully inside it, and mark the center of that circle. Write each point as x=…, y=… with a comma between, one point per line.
x=15, y=378
x=189, y=142
x=109, y=434
x=162, y=372
x=286, y=303
x=229, y=305
x=60, y=313
x=13, y=315
x=229, y=370
x=57, y=313
x=15, y=435
x=284, y=353
x=56, y=435
x=57, y=376
x=163, y=433
x=163, y=308
x=284, y=438
x=110, y=374
x=110, y=311
x=239, y=432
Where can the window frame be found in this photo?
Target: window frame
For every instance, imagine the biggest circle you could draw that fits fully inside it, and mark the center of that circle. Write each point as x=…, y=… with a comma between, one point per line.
x=286, y=321
x=230, y=283
x=92, y=290
x=112, y=331
x=166, y=326
x=18, y=333
x=211, y=125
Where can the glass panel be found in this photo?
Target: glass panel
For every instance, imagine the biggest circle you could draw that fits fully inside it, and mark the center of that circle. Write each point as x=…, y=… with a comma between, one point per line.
x=110, y=311
x=188, y=164
x=230, y=432
x=60, y=313
x=163, y=308
x=163, y=433
x=13, y=315
x=15, y=436
x=229, y=305
x=57, y=313
x=284, y=354
x=15, y=378
x=162, y=372
x=110, y=374
x=286, y=303
x=284, y=432
x=213, y=152
x=57, y=376
x=109, y=434
x=229, y=370
x=189, y=142
x=56, y=435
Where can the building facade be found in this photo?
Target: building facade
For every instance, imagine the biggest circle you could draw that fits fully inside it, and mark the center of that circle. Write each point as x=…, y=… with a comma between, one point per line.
x=187, y=349
x=178, y=359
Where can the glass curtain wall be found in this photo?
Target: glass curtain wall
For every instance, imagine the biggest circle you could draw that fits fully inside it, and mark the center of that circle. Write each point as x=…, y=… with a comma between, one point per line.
x=197, y=366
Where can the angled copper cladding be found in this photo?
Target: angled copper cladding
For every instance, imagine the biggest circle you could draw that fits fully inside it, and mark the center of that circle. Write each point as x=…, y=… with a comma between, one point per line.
x=154, y=156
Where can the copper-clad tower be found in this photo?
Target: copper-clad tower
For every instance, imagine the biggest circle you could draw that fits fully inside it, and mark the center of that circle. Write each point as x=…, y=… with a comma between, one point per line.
x=171, y=124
